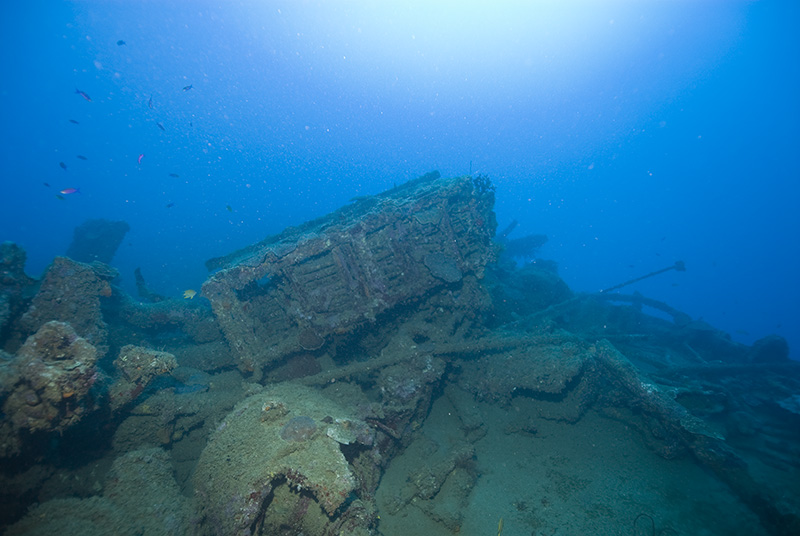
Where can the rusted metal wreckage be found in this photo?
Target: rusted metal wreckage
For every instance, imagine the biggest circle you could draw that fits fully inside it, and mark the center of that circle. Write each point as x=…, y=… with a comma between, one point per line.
x=294, y=291
x=309, y=288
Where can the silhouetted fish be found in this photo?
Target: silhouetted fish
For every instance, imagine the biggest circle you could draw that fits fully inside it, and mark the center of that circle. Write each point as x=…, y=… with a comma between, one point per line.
x=120, y=43
x=228, y=208
x=161, y=126
x=187, y=88
x=170, y=205
x=74, y=122
x=150, y=102
x=82, y=94
x=174, y=175
x=81, y=157
x=61, y=197
x=63, y=165
x=46, y=184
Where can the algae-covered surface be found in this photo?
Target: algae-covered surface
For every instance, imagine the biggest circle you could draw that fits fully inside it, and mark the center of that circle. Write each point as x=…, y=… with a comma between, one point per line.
x=139, y=497
x=397, y=268
x=287, y=433
x=474, y=403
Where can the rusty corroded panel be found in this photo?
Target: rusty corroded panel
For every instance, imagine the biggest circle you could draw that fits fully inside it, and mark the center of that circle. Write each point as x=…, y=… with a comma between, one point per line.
x=291, y=292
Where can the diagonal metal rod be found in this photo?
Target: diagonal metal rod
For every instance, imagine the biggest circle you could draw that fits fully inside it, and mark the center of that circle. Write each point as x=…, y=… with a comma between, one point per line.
x=679, y=266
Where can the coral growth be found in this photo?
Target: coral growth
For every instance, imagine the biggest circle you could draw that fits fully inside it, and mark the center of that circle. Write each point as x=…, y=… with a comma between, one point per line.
x=138, y=367
x=46, y=388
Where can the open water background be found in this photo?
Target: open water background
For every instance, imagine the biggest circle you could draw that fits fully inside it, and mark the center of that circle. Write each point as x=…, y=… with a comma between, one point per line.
x=633, y=134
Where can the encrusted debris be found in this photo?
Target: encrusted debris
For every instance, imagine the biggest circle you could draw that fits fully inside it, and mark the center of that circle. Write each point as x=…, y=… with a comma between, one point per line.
x=298, y=289
x=270, y=440
x=137, y=366
x=71, y=292
x=46, y=388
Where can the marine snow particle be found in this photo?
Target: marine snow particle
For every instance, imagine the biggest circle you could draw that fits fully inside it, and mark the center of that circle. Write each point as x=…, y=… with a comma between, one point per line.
x=298, y=429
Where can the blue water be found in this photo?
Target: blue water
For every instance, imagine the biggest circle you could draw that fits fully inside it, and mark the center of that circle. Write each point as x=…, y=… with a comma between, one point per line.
x=633, y=134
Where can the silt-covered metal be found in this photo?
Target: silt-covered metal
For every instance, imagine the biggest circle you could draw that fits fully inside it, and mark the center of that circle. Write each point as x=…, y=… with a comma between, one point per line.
x=293, y=291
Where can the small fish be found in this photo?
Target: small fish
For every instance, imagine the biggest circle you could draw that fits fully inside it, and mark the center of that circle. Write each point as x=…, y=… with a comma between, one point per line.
x=150, y=102
x=228, y=208
x=170, y=205
x=187, y=88
x=62, y=165
x=67, y=191
x=140, y=158
x=174, y=175
x=46, y=184
x=120, y=43
x=82, y=94
x=81, y=157
x=61, y=197
x=160, y=126
x=189, y=294
x=74, y=122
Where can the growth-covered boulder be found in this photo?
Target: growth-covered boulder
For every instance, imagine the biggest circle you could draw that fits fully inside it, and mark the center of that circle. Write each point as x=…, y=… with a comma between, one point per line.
x=46, y=386
x=277, y=446
x=137, y=367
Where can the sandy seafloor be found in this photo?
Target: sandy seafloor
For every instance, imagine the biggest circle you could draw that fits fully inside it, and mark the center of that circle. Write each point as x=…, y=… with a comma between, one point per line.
x=542, y=477
x=592, y=477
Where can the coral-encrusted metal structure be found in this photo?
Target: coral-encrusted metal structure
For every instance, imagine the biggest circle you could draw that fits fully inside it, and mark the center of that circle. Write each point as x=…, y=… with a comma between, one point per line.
x=293, y=291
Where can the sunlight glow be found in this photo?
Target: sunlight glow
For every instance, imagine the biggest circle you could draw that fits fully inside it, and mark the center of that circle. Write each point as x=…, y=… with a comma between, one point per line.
x=460, y=40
